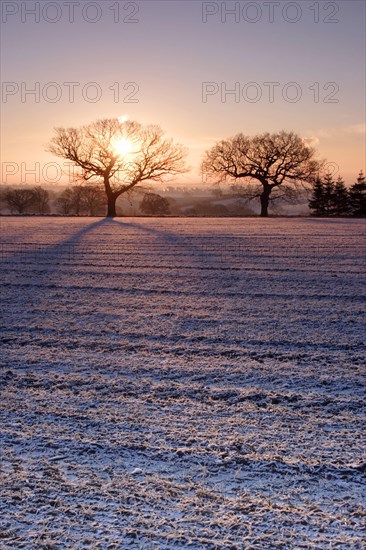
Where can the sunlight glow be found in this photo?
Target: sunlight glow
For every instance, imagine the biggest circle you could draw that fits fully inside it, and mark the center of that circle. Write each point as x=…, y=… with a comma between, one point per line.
x=122, y=147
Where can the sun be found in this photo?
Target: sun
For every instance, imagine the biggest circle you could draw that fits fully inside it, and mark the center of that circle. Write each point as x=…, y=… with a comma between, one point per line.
x=122, y=147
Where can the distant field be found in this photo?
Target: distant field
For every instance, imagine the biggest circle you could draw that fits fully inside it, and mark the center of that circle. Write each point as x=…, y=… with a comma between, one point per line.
x=175, y=383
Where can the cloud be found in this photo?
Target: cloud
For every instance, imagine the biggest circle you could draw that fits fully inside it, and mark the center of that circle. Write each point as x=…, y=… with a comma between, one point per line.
x=331, y=133
x=357, y=128
x=311, y=141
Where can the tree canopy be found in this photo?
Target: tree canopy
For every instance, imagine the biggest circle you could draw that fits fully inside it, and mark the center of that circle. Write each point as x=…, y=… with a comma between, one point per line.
x=121, y=155
x=272, y=165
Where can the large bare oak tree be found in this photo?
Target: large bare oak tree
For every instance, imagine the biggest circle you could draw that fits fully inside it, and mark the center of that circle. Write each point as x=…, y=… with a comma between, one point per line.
x=272, y=165
x=121, y=155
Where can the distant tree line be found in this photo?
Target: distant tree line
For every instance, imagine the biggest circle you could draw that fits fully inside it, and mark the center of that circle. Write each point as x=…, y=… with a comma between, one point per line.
x=328, y=198
x=88, y=200
x=77, y=200
x=25, y=201
x=332, y=198
x=81, y=200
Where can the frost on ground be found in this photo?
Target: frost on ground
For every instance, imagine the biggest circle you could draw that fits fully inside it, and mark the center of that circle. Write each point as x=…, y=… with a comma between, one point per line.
x=177, y=383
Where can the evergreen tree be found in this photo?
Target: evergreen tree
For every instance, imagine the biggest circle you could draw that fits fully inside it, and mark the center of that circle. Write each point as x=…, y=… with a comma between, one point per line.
x=316, y=202
x=328, y=194
x=357, y=196
x=340, y=200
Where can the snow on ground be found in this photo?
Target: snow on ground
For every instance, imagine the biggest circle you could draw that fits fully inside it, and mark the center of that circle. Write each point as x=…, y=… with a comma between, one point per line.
x=182, y=383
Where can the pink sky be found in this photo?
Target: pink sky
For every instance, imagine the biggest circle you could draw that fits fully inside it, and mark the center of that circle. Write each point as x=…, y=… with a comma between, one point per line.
x=188, y=68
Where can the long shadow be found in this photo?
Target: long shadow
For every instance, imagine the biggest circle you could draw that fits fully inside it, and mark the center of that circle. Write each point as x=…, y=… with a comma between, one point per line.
x=202, y=255
x=25, y=255
x=33, y=289
x=77, y=236
x=207, y=256
x=13, y=251
x=42, y=264
x=51, y=255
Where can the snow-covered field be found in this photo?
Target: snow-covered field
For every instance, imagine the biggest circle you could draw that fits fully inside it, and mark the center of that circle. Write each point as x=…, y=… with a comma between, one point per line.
x=182, y=383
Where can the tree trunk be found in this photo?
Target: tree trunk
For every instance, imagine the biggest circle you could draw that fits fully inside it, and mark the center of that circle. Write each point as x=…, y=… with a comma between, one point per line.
x=111, y=198
x=265, y=201
x=111, y=205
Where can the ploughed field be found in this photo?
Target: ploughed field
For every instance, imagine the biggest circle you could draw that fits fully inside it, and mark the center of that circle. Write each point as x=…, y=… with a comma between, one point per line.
x=182, y=383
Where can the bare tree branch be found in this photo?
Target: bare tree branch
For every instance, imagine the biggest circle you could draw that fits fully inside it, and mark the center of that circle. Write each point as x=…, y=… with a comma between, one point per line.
x=93, y=150
x=273, y=161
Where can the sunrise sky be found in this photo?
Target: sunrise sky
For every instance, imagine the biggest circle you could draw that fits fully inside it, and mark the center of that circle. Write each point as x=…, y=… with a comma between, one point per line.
x=167, y=50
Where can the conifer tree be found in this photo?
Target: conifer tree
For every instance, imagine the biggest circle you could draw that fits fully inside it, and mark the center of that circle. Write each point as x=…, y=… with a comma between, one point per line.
x=340, y=200
x=357, y=196
x=316, y=202
x=328, y=194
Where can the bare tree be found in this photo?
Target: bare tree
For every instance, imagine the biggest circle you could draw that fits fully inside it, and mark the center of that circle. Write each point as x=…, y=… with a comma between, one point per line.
x=272, y=166
x=153, y=204
x=3, y=201
x=41, y=200
x=120, y=155
x=72, y=200
x=19, y=200
x=94, y=199
x=64, y=202
x=77, y=199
